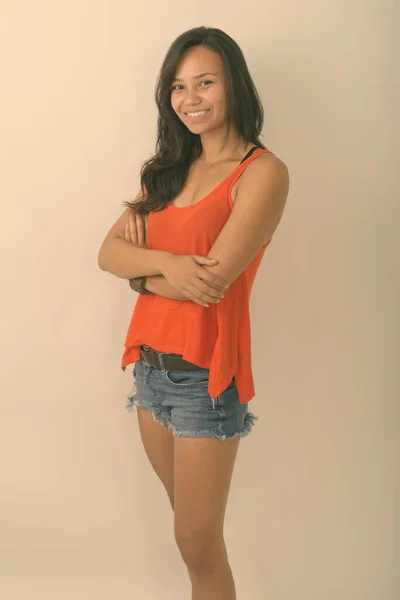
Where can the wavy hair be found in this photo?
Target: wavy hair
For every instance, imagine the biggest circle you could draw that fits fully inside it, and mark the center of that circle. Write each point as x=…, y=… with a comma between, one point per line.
x=163, y=176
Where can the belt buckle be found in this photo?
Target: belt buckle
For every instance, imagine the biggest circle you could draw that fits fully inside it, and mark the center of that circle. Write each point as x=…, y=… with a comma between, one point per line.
x=147, y=350
x=154, y=357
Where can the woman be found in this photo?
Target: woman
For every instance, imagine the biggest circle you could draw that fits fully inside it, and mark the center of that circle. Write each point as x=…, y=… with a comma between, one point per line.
x=193, y=238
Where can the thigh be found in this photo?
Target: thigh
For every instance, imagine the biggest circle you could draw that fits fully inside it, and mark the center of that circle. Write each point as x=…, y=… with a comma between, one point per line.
x=202, y=475
x=153, y=420
x=158, y=444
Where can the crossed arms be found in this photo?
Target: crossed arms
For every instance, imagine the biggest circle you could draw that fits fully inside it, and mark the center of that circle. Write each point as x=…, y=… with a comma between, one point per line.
x=257, y=211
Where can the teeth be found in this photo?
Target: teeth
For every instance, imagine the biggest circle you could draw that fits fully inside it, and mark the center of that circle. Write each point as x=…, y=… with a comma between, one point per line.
x=197, y=114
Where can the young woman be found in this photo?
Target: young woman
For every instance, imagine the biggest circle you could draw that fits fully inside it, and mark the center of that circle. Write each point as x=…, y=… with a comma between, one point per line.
x=193, y=238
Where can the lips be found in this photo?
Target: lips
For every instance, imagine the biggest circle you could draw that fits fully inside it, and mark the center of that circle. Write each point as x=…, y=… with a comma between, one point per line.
x=197, y=111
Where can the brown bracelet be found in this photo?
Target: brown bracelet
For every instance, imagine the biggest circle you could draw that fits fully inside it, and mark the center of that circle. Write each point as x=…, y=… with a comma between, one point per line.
x=137, y=284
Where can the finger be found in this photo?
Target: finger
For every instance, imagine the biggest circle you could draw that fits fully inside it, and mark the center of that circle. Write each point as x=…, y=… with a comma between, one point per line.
x=194, y=298
x=211, y=279
x=140, y=228
x=205, y=293
x=127, y=233
x=203, y=259
x=132, y=228
x=209, y=287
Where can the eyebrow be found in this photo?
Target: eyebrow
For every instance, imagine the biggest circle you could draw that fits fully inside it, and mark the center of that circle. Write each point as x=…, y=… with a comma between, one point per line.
x=195, y=77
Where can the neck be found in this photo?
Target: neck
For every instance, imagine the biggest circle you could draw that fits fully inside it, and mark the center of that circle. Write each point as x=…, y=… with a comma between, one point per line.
x=212, y=151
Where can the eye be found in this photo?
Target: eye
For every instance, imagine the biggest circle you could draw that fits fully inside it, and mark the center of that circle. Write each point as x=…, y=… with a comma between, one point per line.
x=179, y=85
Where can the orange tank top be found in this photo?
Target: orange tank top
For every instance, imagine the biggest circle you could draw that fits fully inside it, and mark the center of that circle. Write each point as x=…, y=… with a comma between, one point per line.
x=217, y=337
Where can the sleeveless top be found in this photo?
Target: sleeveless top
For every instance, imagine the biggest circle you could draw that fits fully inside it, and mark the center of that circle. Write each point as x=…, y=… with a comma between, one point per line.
x=215, y=337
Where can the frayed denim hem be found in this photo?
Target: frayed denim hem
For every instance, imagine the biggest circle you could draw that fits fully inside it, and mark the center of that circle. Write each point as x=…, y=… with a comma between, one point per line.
x=133, y=401
x=249, y=422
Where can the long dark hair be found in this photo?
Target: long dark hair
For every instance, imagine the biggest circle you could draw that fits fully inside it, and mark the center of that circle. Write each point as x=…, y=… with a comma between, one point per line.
x=164, y=174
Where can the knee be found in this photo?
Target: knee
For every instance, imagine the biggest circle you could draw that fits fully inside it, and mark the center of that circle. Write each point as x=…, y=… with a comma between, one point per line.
x=199, y=548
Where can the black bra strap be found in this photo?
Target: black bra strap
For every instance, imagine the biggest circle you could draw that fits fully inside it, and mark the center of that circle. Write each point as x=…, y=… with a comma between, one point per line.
x=250, y=152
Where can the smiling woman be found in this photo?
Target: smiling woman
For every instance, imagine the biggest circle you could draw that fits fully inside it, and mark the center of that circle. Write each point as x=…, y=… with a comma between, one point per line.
x=209, y=93
x=212, y=197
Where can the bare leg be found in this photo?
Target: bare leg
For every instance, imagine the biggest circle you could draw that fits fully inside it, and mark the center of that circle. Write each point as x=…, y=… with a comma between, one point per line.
x=158, y=443
x=202, y=475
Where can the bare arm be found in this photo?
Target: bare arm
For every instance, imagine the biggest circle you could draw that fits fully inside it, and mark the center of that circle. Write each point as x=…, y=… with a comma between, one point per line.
x=126, y=256
x=258, y=208
x=126, y=261
x=209, y=290
x=159, y=285
x=124, y=253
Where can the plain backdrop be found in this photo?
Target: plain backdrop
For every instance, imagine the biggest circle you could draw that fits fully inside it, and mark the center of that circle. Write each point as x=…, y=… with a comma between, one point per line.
x=312, y=511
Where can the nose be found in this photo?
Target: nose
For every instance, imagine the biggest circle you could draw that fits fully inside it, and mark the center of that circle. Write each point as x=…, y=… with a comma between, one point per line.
x=192, y=99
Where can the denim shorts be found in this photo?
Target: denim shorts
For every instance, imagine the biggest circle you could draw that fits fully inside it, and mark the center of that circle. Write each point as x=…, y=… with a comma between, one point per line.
x=180, y=401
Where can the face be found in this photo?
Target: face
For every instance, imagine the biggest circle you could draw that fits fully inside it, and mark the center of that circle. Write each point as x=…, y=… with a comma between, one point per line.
x=191, y=93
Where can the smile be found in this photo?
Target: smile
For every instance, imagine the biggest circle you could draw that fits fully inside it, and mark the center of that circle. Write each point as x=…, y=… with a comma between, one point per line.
x=197, y=115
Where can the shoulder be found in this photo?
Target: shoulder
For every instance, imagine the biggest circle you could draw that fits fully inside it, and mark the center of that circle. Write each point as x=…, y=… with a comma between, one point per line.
x=268, y=175
x=266, y=167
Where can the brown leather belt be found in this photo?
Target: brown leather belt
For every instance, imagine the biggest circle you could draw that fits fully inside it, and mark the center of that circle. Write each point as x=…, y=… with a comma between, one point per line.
x=165, y=360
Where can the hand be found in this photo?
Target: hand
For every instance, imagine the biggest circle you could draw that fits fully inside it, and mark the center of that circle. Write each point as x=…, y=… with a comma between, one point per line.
x=185, y=273
x=136, y=230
